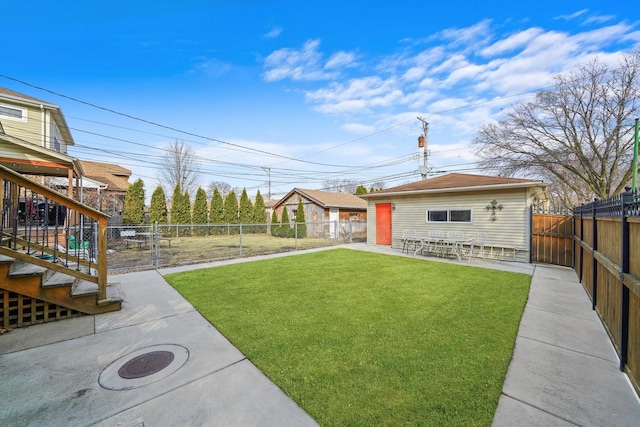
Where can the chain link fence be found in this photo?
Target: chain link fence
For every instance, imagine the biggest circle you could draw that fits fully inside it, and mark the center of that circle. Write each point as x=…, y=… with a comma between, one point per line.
x=166, y=245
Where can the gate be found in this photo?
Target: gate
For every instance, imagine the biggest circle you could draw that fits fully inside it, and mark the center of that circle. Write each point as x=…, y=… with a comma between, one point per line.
x=552, y=239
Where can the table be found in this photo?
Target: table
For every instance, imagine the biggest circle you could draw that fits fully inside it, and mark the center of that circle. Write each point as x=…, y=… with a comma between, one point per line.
x=442, y=244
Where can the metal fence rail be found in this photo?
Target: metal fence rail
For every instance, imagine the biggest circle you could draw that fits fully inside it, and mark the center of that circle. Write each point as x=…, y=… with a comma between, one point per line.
x=163, y=245
x=607, y=260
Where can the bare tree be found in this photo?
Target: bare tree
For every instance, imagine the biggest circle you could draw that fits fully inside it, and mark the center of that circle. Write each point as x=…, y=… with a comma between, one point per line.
x=343, y=185
x=180, y=166
x=577, y=136
x=223, y=187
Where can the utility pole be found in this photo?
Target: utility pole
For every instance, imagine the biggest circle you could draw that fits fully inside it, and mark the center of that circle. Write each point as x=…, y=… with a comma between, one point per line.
x=423, y=142
x=268, y=171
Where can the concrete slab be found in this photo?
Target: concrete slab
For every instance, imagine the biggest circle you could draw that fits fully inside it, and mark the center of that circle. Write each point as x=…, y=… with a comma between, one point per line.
x=512, y=413
x=46, y=333
x=575, y=387
x=555, y=272
x=68, y=389
x=558, y=297
x=239, y=395
x=586, y=336
x=146, y=297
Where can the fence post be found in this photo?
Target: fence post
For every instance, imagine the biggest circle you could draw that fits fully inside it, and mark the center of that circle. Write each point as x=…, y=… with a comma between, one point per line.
x=530, y=234
x=594, y=249
x=240, y=239
x=624, y=294
x=156, y=239
x=295, y=233
x=581, y=248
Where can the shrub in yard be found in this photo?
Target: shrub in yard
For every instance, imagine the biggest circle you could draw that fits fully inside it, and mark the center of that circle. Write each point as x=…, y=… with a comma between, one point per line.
x=158, y=207
x=285, y=228
x=301, y=223
x=216, y=214
x=231, y=211
x=133, y=213
x=200, y=214
x=259, y=214
x=246, y=212
x=275, y=225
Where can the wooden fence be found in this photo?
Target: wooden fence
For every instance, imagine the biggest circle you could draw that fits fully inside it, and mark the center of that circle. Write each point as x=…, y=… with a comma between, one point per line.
x=552, y=238
x=607, y=261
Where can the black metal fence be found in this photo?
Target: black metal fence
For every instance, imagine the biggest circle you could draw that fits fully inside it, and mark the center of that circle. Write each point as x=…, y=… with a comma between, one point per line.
x=607, y=260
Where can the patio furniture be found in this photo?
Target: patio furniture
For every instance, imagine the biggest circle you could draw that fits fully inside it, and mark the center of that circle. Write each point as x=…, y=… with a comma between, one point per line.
x=410, y=238
x=475, y=247
x=431, y=243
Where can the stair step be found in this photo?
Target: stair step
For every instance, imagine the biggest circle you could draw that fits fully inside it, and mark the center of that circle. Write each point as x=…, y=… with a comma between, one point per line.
x=27, y=270
x=114, y=293
x=58, y=279
x=6, y=259
x=83, y=287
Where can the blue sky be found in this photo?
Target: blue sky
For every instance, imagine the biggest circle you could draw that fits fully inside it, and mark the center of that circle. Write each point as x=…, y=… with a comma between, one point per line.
x=309, y=91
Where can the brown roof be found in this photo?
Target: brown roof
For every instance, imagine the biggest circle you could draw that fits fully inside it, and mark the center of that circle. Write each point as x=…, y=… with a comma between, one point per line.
x=328, y=199
x=20, y=96
x=116, y=177
x=457, y=181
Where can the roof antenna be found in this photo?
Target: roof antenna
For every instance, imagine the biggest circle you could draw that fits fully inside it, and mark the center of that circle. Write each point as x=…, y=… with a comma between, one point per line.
x=423, y=141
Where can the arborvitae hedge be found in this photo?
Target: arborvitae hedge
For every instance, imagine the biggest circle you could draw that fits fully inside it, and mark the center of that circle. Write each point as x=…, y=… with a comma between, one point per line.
x=260, y=214
x=300, y=221
x=246, y=212
x=133, y=213
x=285, y=228
x=216, y=214
x=231, y=211
x=200, y=213
x=158, y=207
x=275, y=226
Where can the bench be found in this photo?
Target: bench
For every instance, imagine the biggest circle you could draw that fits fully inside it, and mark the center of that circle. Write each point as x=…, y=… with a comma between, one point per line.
x=168, y=239
x=136, y=241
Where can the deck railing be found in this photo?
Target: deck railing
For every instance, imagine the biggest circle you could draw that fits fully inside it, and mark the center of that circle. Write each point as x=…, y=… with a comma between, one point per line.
x=43, y=227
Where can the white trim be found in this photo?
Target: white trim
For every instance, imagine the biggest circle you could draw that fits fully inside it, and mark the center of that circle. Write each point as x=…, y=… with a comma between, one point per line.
x=454, y=190
x=14, y=107
x=448, y=211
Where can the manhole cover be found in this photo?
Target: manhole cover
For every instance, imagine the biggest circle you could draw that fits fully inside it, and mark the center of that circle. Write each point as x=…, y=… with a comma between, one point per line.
x=145, y=365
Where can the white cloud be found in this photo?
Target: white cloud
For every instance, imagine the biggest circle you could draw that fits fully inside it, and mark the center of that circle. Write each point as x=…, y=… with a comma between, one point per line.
x=472, y=34
x=274, y=33
x=340, y=60
x=211, y=67
x=358, y=128
x=305, y=63
x=512, y=42
x=598, y=19
x=573, y=15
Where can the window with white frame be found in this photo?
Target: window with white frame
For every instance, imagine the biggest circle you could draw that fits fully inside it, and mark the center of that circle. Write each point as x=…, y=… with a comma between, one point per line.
x=449, y=215
x=13, y=113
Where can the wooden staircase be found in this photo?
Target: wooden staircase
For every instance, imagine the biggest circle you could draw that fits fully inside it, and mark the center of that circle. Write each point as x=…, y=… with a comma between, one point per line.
x=31, y=294
x=41, y=278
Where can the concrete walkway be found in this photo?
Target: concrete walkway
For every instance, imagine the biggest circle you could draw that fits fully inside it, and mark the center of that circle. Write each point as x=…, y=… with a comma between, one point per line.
x=564, y=370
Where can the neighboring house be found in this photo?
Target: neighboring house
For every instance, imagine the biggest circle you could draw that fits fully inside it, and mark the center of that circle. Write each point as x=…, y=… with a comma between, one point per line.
x=34, y=137
x=38, y=122
x=497, y=206
x=104, y=186
x=322, y=206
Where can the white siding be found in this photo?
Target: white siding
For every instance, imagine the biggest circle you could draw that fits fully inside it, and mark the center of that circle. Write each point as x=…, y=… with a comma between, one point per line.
x=510, y=228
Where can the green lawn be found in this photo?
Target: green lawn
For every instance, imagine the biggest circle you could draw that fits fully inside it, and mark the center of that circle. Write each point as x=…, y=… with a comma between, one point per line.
x=357, y=338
